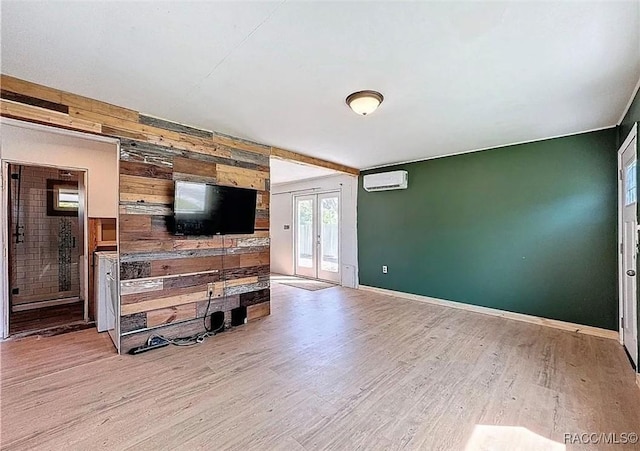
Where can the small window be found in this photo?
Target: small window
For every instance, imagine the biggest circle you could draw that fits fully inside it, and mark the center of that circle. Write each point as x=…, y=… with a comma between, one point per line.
x=63, y=198
x=68, y=199
x=630, y=187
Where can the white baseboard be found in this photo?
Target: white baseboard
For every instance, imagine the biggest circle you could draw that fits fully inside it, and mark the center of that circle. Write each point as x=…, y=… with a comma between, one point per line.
x=557, y=324
x=41, y=304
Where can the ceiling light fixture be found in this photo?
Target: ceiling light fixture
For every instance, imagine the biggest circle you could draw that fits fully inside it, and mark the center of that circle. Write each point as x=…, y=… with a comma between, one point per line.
x=364, y=102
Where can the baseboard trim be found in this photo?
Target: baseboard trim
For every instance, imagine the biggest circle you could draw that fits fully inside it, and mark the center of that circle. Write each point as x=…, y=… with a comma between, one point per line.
x=556, y=324
x=41, y=304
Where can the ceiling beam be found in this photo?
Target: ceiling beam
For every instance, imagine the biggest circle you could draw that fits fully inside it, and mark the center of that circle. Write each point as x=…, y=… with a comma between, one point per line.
x=288, y=155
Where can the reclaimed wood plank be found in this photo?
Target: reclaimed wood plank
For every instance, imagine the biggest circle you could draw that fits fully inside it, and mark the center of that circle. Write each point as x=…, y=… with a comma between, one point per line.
x=167, y=291
x=235, y=154
x=253, y=242
x=242, y=178
x=174, y=126
x=254, y=259
x=142, y=208
x=134, y=270
x=223, y=304
x=33, y=101
x=138, y=223
x=141, y=286
x=189, y=169
x=185, y=265
x=230, y=283
x=142, y=152
x=151, y=234
x=98, y=107
x=24, y=87
x=262, y=223
x=255, y=297
x=243, y=144
x=258, y=311
x=263, y=200
x=246, y=288
x=250, y=271
x=116, y=132
x=171, y=315
x=156, y=199
x=147, y=170
x=145, y=185
x=43, y=116
x=136, y=246
x=174, y=255
x=133, y=322
x=170, y=301
x=191, y=280
x=199, y=243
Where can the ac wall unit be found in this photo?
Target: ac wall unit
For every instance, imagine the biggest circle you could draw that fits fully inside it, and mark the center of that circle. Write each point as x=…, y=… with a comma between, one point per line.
x=386, y=181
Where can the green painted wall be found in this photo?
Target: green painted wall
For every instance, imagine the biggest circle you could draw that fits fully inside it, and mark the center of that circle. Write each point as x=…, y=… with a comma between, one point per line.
x=528, y=228
x=631, y=117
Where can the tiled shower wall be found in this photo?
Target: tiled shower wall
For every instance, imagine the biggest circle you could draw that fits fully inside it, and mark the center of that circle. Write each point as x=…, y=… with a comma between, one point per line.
x=45, y=266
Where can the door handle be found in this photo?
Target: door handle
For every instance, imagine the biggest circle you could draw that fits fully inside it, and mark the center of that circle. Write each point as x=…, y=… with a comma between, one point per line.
x=631, y=272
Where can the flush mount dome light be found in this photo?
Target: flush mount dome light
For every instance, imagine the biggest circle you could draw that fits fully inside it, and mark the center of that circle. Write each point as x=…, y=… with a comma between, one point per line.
x=364, y=102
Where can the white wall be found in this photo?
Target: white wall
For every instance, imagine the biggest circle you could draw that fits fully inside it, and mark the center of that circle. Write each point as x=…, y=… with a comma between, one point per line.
x=281, y=214
x=36, y=145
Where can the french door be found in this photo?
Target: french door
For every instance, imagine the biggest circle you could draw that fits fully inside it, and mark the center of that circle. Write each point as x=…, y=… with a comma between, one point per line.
x=317, y=236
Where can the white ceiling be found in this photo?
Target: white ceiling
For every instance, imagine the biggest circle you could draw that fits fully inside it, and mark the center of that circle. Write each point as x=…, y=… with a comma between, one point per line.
x=287, y=171
x=455, y=76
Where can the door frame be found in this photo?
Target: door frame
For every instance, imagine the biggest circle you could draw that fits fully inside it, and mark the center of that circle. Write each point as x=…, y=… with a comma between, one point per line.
x=316, y=193
x=5, y=232
x=632, y=134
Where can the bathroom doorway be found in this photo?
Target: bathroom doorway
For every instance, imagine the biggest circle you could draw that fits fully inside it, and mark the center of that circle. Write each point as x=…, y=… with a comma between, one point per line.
x=47, y=248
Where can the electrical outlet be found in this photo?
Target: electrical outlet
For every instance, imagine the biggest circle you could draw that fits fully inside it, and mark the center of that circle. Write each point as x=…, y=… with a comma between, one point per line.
x=385, y=269
x=210, y=288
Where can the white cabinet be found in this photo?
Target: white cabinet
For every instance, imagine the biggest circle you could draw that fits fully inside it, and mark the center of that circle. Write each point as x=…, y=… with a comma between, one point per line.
x=107, y=300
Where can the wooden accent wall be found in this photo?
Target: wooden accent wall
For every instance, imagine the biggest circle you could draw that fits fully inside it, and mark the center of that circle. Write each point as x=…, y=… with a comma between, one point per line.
x=163, y=277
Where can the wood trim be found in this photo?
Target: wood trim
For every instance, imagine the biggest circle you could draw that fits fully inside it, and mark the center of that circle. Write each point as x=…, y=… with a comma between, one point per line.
x=554, y=323
x=283, y=154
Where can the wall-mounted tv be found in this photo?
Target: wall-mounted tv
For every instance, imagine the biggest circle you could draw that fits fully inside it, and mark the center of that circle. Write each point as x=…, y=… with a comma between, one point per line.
x=205, y=209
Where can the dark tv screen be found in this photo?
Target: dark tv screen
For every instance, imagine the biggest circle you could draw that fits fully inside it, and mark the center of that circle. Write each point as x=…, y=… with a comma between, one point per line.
x=204, y=209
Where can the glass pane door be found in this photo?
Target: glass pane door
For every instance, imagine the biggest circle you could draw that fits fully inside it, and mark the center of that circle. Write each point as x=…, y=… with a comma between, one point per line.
x=329, y=237
x=305, y=233
x=317, y=236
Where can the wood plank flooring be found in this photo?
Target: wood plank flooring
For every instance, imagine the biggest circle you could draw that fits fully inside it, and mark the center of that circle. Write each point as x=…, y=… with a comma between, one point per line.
x=334, y=369
x=46, y=317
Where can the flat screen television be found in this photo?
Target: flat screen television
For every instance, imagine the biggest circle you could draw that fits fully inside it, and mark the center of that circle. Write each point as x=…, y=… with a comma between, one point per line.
x=205, y=209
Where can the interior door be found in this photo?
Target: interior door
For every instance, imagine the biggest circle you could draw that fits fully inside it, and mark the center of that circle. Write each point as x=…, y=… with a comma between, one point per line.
x=629, y=231
x=328, y=242
x=305, y=236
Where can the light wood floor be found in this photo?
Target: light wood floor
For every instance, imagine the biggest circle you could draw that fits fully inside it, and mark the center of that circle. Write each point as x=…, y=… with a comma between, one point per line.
x=332, y=369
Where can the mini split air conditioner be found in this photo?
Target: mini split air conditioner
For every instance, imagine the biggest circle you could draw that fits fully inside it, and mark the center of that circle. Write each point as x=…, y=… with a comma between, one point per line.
x=386, y=181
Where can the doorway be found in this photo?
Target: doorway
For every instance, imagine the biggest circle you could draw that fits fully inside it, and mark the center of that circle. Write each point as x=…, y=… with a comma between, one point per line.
x=628, y=234
x=46, y=252
x=317, y=236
